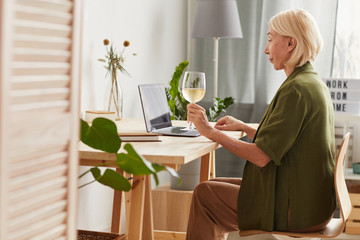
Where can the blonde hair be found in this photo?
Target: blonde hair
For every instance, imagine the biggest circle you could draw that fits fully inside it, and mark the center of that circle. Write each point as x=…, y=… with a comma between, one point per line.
x=300, y=25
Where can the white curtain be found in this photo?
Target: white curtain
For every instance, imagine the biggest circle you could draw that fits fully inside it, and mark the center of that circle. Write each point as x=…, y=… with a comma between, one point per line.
x=244, y=70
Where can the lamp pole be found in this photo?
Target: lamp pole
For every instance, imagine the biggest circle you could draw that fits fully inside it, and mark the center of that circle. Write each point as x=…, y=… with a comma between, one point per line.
x=216, y=19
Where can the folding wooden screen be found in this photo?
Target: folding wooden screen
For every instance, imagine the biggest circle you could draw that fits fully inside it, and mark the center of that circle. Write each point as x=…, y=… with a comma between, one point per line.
x=39, y=118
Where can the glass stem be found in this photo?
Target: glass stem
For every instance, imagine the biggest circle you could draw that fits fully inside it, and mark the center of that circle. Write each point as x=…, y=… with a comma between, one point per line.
x=190, y=126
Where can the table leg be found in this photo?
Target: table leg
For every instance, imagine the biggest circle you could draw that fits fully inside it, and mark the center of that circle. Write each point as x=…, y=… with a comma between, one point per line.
x=206, y=167
x=212, y=165
x=148, y=225
x=117, y=207
x=137, y=208
x=127, y=203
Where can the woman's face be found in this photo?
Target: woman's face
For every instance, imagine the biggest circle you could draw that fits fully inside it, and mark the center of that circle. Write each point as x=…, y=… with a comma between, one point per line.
x=277, y=48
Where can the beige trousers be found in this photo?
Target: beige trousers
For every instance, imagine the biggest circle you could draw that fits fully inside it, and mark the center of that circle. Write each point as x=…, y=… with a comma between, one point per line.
x=213, y=211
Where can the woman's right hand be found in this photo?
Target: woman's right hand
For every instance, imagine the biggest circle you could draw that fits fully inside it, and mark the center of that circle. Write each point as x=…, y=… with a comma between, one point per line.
x=229, y=123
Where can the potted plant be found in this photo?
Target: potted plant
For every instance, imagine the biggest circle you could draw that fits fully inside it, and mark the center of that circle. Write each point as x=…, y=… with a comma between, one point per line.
x=178, y=104
x=114, y=64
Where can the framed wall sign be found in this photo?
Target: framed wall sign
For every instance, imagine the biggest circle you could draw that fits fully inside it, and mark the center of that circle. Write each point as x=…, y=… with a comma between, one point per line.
x=345, y=94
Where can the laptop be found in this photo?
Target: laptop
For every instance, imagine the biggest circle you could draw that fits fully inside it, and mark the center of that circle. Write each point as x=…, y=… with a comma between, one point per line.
x=156, y=112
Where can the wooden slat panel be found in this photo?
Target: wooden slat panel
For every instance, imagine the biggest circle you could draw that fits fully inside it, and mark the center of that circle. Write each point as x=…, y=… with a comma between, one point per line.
x=30, y=165
x=41, y=68
x=45, y=106
x=41, y=55
x=58, y=145
x=31, y=204
x=41, y=130
x=35, y=228
x=42, y=77
x=37, y=177
x=40, y=95
x=31, y=82
x=41, y=42
x=57, y=233
x=56, y=69
x=42, y=15
x=42, y=29
x=38, y=189
x=24, y=120
x=53, y=5
x=39, y=214
x=55, y=107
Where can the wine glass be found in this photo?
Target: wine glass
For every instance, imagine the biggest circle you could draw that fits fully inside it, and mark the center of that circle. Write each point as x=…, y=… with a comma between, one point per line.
x=193, y=89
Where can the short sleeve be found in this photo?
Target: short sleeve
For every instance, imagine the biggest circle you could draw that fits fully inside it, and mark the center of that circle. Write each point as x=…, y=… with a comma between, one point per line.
x=282, y=124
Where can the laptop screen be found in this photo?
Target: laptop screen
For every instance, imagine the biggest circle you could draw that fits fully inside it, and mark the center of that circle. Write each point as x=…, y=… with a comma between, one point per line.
x=155, y=106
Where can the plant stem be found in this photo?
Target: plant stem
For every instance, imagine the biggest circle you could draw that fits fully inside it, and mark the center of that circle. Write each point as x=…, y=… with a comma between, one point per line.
x=114, y=92
x=104, y=164
x=83, y=174
x=86, y=184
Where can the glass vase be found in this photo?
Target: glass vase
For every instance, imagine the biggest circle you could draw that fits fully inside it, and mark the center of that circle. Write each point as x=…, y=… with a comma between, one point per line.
x=114, y=96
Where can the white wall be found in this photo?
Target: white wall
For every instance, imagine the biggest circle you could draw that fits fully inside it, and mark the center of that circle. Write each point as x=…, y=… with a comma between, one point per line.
x=157, y=31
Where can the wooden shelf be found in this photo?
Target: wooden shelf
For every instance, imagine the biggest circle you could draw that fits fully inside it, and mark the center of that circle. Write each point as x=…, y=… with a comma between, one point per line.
x=349, y=175
x=171, y=208
x=346, y=117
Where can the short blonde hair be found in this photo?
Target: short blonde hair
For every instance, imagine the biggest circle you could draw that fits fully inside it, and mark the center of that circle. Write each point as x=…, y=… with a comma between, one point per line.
x=300, y=25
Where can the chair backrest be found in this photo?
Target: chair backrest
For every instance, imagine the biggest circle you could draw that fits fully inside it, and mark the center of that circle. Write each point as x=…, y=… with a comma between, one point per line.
x=340, y=184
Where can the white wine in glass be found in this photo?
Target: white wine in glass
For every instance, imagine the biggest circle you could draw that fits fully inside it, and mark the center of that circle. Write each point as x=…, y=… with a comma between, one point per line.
x=193, y=88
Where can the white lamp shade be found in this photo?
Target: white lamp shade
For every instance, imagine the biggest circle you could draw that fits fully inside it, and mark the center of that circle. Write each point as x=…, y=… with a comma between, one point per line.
x=217, y=19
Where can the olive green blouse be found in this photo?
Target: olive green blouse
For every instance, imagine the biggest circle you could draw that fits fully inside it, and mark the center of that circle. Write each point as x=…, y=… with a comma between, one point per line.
x=297, y=132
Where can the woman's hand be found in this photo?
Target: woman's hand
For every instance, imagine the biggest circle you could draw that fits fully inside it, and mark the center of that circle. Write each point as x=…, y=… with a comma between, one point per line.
x=197, y=115
x=229, y=123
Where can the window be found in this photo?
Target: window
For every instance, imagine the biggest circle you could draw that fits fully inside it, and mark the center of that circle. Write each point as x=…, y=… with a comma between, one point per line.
x=346, y=59
x=346, y=65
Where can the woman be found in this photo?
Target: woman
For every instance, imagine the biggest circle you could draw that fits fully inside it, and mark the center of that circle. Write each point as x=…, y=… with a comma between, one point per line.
x=287, y=183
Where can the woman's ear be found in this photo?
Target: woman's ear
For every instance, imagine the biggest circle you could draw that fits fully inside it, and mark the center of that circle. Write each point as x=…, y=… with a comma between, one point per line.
x=291, y=43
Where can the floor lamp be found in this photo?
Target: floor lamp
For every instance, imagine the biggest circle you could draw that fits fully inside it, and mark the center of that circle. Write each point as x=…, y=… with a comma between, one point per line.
x=216, y=19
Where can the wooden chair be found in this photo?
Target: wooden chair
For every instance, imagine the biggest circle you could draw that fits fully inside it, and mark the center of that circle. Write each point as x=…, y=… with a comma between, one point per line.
x=336, y=226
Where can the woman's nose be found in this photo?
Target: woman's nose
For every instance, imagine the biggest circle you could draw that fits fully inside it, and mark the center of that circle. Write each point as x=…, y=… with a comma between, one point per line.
x=266, y=50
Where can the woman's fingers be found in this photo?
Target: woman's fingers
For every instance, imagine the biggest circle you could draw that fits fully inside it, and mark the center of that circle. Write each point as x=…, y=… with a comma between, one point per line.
x=194, y=110
x=222, y=122
x=194, y=107
x=196, y=114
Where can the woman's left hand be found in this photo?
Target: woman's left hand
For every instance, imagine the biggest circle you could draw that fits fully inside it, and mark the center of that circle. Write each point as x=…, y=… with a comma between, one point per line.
x=197, y=115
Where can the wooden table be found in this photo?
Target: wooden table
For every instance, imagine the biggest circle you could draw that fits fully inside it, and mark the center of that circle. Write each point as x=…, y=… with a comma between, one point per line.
x=171, y=151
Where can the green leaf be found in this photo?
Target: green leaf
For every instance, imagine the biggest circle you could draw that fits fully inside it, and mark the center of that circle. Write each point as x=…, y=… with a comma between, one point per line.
x=219, y=107
x=112, y=179
x=134, y=163
x=228, y=101
x=102, y=135
x=158, y=167
x=177, y=103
